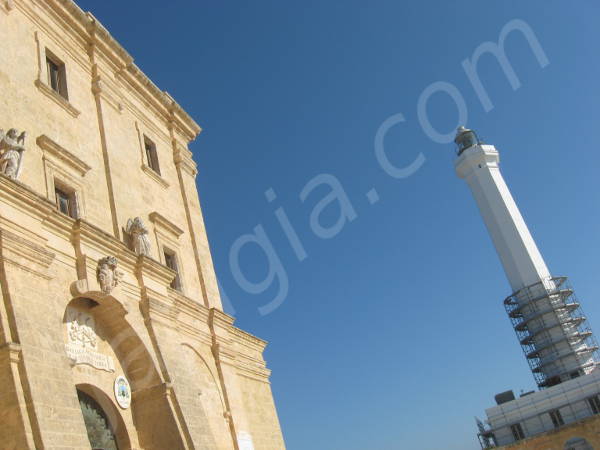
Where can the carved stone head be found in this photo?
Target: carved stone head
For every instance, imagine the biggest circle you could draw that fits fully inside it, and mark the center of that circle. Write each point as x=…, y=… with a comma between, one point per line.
x=108, y=274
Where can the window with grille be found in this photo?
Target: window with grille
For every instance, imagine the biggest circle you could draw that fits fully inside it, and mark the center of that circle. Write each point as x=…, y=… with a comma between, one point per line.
x=594, y=403
x=556, y=418
x=517, y=431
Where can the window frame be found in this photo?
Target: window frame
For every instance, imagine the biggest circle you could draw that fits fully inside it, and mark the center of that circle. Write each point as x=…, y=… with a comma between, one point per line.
x=70, y=194
x=55, y=65
x=151, y=154
x=556, y=418
x=594, y=403
x=517, y=431
x=172, y=256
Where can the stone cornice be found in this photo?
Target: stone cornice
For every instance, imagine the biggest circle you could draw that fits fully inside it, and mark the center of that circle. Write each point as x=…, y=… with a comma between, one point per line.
x=245, y=338
x=22, y=197
x=172, y=309
x=156, y=177
x=28, y=255
x=260, y=374
x=148, y=267
x=183, y=158
x=158, y=305
x=161, y=222
x=220, y=318
x=58, y=99
x=84, y=26
x=188, y=306
x=86, y=234
x=51, y=148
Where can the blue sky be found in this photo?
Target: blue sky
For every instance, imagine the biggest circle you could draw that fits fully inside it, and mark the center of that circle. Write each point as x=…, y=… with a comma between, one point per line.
x=392, y=333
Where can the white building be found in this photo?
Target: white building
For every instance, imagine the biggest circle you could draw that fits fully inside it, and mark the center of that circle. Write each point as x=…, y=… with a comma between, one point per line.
x=545, y=314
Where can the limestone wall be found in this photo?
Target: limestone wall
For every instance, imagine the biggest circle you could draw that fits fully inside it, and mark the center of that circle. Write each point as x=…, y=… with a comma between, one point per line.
x=196, y=380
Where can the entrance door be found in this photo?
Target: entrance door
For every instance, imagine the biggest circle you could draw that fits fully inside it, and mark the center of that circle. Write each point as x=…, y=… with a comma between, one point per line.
x=99, y=429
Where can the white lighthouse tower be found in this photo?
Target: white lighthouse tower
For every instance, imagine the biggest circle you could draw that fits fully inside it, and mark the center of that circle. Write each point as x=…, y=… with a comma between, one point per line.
x=543, y=309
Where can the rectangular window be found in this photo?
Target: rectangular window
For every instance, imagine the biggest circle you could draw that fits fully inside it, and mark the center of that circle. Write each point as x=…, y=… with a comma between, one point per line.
x=151, y=155
x=556, y=418
x=57, y=75
x=517, y=431
x=66, y=201
x=171, y=263
x=594, y=403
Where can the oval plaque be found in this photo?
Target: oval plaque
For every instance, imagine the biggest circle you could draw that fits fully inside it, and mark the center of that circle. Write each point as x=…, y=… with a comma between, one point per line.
x=122, y=392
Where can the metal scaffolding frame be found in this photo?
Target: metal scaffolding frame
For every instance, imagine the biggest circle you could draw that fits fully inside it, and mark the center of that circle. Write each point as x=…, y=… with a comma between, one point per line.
x=555, y=295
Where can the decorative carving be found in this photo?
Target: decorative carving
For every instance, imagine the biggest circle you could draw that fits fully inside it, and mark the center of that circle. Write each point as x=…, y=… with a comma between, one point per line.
x=108, y=274
x=11, y=152
x=138, y=236
x=82, y=341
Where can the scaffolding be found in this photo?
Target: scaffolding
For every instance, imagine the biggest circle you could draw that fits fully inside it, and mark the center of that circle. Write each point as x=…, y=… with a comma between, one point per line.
x=485, y=435
x=552, y=330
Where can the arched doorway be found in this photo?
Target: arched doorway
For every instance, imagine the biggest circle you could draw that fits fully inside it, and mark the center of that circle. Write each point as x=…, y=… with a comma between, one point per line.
x=116, y=339
x=577, y=443
x=99, y=429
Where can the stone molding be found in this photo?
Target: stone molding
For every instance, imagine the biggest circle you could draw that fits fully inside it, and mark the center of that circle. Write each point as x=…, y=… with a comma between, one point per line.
x=106, y=244
x=248, y=339
x=148, y=267
x=103, y=89
x=155, y=176
x=183, y=159
x=55, y=150
x=26, y=255
x=24, y=198
x=84, y=28
x=58, y=99
x=163, y=223
x=157, y=308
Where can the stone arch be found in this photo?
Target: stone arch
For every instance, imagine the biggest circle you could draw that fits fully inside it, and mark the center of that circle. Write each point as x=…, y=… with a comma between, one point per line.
x=112, y=326
x=577, y=443
x=111, y=413
x=152, y=415
x=210, y=372
x=201, y=400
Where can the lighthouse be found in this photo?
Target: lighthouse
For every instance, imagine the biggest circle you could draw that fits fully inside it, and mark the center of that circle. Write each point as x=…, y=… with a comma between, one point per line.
x=543, y=309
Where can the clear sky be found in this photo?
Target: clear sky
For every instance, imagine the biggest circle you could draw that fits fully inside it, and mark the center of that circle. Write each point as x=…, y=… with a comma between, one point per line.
x=391, y=333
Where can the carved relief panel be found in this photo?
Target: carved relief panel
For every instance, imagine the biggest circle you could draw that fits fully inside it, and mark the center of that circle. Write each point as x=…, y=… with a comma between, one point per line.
x=82, y=341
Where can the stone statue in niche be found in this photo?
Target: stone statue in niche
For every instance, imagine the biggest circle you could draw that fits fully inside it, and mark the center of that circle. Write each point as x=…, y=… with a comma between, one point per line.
x=138, y=236
x=108, y=274
x=11, y=152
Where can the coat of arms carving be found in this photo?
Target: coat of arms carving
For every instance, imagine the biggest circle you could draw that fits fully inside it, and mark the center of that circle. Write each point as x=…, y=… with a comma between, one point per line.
x=108, y=274
x=82, y=341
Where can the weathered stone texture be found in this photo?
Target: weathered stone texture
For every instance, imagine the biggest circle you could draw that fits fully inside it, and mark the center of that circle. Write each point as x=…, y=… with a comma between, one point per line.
x=196, y=380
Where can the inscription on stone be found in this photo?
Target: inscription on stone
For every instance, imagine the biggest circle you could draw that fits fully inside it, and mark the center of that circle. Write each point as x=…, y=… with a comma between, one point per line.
x=82, y=342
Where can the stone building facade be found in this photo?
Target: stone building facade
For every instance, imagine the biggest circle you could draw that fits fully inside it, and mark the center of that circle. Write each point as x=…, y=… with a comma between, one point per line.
x=112, y=333
x=582, y=435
